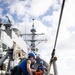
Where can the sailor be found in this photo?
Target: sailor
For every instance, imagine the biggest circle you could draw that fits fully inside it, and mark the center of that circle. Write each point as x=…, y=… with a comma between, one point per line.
x=40, y=69
x=24, y=67
x=26, y=63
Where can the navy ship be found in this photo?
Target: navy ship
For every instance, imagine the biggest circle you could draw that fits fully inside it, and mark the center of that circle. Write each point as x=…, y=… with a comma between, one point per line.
x=12, y=50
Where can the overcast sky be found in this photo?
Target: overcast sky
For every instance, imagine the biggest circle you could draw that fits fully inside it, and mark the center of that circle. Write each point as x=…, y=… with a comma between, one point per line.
x=46, y=14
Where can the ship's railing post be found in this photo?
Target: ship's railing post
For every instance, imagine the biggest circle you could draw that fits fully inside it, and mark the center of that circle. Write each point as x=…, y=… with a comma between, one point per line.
x=55, y=66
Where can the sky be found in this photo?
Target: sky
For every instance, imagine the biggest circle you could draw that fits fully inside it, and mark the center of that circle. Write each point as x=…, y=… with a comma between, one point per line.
x=46, y=14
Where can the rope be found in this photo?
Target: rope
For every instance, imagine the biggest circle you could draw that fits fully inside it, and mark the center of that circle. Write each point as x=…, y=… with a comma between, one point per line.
x=53, y=52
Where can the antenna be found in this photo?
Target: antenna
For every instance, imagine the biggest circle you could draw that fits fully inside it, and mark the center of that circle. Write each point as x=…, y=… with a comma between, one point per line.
x=33, y=23
x=7, y=25
x=25, y=25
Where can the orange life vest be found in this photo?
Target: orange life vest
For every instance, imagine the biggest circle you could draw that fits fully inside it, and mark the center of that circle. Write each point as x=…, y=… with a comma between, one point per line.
x=38, y=73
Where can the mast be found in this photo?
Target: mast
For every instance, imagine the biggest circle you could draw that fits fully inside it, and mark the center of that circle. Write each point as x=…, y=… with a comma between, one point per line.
x=33, y=39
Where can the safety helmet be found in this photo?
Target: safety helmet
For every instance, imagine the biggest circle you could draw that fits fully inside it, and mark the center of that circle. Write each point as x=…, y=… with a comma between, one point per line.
x=32, y=55
x=41, y=62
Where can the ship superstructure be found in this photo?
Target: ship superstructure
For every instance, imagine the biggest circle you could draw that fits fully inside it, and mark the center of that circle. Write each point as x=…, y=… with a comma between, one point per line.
x=12, y=47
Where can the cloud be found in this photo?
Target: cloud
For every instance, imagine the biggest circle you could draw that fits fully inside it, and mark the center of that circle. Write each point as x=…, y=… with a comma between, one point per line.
x=17, y=7
x=66, y=60
x=40, y=27
x=1, y=10
x=53, y=19
x=69, y=13
x=56, y=4
x=39, y=8
x=34, y=7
